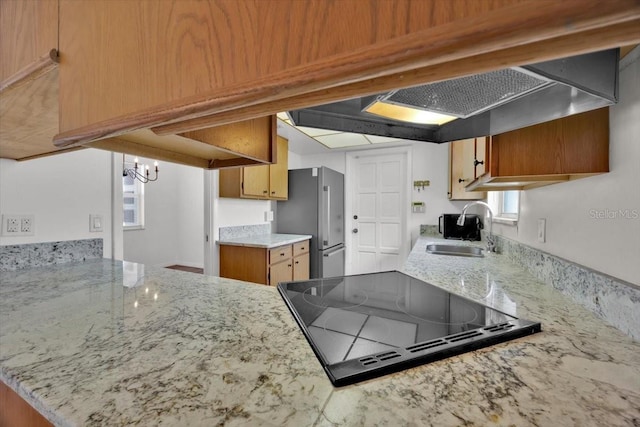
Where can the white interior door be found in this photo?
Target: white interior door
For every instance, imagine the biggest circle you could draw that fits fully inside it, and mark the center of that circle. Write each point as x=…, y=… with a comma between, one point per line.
x=378, y=214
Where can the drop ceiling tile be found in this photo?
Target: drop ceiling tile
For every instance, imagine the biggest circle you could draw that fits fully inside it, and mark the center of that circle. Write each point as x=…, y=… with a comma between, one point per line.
x=342, y=140
x=316, y=132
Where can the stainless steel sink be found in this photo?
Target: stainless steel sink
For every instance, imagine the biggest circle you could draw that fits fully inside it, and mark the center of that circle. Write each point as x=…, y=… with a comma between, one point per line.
x=455, y=250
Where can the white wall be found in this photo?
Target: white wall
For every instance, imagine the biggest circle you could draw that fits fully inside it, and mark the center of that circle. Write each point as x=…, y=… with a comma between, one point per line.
x=574, y=230
x=61, y=191
x=335, y=160
x=294, y=161
x=431, y=163
x=190, y=213
x=174, y=219
x=232, y=212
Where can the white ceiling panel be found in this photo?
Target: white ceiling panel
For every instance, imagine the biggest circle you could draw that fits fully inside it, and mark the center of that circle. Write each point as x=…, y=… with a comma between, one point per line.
x=341, y=140
x=316, y=132
x=374, y=139
x=308, y=141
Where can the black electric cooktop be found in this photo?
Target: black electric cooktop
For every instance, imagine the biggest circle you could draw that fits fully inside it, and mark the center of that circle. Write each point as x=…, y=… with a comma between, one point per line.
x=368, y=325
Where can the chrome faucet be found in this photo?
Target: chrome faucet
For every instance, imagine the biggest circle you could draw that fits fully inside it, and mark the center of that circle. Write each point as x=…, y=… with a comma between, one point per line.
x=491, y=243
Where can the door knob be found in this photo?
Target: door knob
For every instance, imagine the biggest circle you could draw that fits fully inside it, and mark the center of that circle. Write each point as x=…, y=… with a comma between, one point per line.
x=355, y=230
x=355, y=217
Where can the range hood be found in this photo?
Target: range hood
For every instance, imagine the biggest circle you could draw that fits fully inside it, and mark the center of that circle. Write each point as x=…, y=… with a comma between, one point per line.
x=482, y=104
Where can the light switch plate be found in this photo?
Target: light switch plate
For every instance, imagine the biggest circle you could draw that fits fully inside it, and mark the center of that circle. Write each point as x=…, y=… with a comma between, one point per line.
x=95, y=223
x=542, y=232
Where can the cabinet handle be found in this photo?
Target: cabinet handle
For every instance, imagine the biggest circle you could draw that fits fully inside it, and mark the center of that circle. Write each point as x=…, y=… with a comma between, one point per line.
x=281, y=253
x=265, y=191
x=476, y=162
x=288, y=265
x=297, y=262
x=461, y=180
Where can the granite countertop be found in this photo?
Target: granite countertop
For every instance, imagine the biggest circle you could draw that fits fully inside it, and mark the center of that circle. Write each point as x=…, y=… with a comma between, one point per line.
x=198, y=350
x=267, y=241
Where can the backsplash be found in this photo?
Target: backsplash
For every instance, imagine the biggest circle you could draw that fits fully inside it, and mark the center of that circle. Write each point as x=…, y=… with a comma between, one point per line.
x=239, y=231
x=428, y=229
x=614, y=300
x=17, y=257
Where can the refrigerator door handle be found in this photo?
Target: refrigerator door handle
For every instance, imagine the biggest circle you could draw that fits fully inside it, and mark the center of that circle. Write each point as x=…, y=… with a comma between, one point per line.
x=334, y=252
x=327, y=230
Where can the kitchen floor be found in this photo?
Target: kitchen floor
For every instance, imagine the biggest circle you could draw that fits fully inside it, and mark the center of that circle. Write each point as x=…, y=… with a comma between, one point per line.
x=185, y=268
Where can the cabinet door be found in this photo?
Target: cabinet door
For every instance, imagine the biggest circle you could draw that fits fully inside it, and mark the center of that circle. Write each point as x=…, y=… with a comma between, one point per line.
x=278, y=172
x=281, y=272
x=462, y=170
x=481, y=162
x=255, y=181
x=17, y=412
x=29, y=32
x=244, y=263
x=301, y=267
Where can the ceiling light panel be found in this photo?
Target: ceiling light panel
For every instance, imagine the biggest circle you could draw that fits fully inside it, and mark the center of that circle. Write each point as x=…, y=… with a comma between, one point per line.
x=342, y=140
x=317, y=132
x=407, y=114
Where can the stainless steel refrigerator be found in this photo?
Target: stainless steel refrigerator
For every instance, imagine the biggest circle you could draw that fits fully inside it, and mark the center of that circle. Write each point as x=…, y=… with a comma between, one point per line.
x=316, y=207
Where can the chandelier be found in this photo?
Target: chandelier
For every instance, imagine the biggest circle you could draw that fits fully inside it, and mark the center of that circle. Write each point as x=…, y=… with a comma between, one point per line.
x=141, y=174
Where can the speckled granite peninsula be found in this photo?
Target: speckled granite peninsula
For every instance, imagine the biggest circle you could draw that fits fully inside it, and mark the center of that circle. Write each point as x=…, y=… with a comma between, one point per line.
x=266, y=240
x=107, y=343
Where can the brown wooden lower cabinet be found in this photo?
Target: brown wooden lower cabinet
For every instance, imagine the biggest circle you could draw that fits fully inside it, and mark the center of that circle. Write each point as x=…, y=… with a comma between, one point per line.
x=301, y=267
x=14, y=411
x=266, y=266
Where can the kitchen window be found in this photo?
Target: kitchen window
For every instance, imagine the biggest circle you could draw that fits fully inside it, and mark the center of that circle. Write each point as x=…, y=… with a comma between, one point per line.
x=132, y=201
x=505, y=205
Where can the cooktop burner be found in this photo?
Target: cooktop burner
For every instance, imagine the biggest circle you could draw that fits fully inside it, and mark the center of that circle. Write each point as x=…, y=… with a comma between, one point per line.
x=370, y=325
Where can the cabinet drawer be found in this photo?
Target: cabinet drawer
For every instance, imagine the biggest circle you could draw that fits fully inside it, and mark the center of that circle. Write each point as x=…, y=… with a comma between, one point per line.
x=280, y=254
x=300, y=248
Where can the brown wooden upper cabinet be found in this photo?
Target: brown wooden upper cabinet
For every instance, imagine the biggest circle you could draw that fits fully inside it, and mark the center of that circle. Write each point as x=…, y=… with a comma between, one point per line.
x=28, y=78
x=466, y=163
x=258, y=182
x=139, y=76
x=560, y=150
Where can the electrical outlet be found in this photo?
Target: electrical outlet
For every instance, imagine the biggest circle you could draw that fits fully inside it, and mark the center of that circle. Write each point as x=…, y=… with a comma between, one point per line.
x=17, y=225
x=26, y=224
x=542, y=232
x=13, y=225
